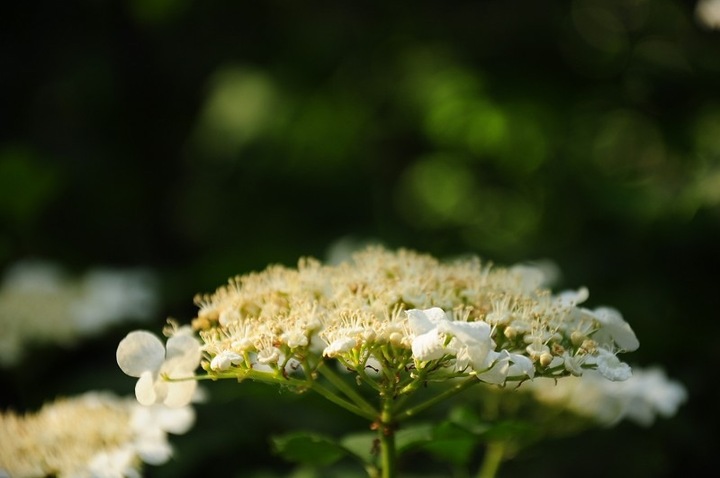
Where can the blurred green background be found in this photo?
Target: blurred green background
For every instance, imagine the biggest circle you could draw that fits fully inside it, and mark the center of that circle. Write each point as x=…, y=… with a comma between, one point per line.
x=204, y=139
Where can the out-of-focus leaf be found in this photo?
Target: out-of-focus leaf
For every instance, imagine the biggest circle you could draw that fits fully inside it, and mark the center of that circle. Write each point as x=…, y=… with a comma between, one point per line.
x=452, y=443
x=308, y=448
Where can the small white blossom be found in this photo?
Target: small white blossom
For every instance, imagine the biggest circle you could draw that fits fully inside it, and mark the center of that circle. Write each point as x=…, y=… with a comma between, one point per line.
x=610, y=366
x=339, y=346
x=614, y=329
x=436, y=335
x=507, y=365
x=224, y=360
x=141, y=354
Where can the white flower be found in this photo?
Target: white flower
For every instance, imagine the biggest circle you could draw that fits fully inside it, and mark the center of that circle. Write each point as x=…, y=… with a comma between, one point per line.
x=141, y=354
x=645, y=395
x=96, y=435
x=614, y=329
x=116, y=463
x=507, y=365
x=572, y=364
x=570, y=298
x=339, y=346
x=428, y=343
x=225, y=359
x=436, y=335
x=151, y=426
x=610, y=366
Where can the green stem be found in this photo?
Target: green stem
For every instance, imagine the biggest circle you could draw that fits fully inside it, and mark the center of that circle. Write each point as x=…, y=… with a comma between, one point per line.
x=366, y=411
x=338, y=400
x=386, y=436
x=347, y=389
x=454, y=390
x=493, y=458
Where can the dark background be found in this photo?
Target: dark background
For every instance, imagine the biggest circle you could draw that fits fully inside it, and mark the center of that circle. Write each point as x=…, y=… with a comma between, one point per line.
x=204, y=139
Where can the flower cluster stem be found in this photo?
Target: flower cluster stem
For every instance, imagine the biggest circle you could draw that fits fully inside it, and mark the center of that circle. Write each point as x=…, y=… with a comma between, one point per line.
x=368, y=411
x=454, y=390
x=494, y=455
x=386, y=436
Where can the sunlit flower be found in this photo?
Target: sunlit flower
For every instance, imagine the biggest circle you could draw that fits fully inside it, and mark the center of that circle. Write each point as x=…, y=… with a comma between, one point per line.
x=224, y=360
x=490, y=321
x=507, y=365
x=613, y=328
x=438, y=335
x=382, y=310
x=141, y=354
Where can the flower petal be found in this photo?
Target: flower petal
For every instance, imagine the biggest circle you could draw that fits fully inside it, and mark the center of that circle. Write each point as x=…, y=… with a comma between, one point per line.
x=175, y=420
x=339, y=346
x=180, y=394
x=499, y=370
x=522, y=365
x=428, y=346
x=422, y=321
x=466, y=332
x=153, y=448
x=616, y=328
x=224, y=360
x=138, y=352
x=184, y=353
x=612, y=368
x=145, y=389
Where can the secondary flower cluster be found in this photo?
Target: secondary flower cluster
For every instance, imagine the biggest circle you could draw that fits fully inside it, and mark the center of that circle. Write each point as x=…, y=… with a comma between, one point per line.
x=644, y=396
x=92, y=435
x=398, y=313
x=41, y=303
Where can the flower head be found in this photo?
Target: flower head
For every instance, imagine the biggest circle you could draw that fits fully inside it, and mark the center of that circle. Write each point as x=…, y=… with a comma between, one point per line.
x=96, y=434
x=407, y=310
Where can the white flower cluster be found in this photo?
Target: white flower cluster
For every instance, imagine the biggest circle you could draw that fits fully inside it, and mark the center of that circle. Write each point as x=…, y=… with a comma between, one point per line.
x=39, y=303
x=400, y=310
x=94, y=435
x=641, y=398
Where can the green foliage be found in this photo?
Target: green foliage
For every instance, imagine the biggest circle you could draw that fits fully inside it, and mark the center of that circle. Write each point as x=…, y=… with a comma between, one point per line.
x=308, y=449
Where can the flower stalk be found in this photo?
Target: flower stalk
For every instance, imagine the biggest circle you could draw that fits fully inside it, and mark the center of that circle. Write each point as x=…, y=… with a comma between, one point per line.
x=386, y=437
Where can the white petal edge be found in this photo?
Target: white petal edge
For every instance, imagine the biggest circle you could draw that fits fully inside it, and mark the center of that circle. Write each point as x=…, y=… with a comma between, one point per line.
x=145, y=389
x=138, y=352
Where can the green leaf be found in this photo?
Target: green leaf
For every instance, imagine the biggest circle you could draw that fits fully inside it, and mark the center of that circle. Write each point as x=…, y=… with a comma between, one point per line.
x=452, y=443
x=361, y=445
x=308, y=448
x=510, y=429
x=466, y=417
x=413, y=436
x=364, y=447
